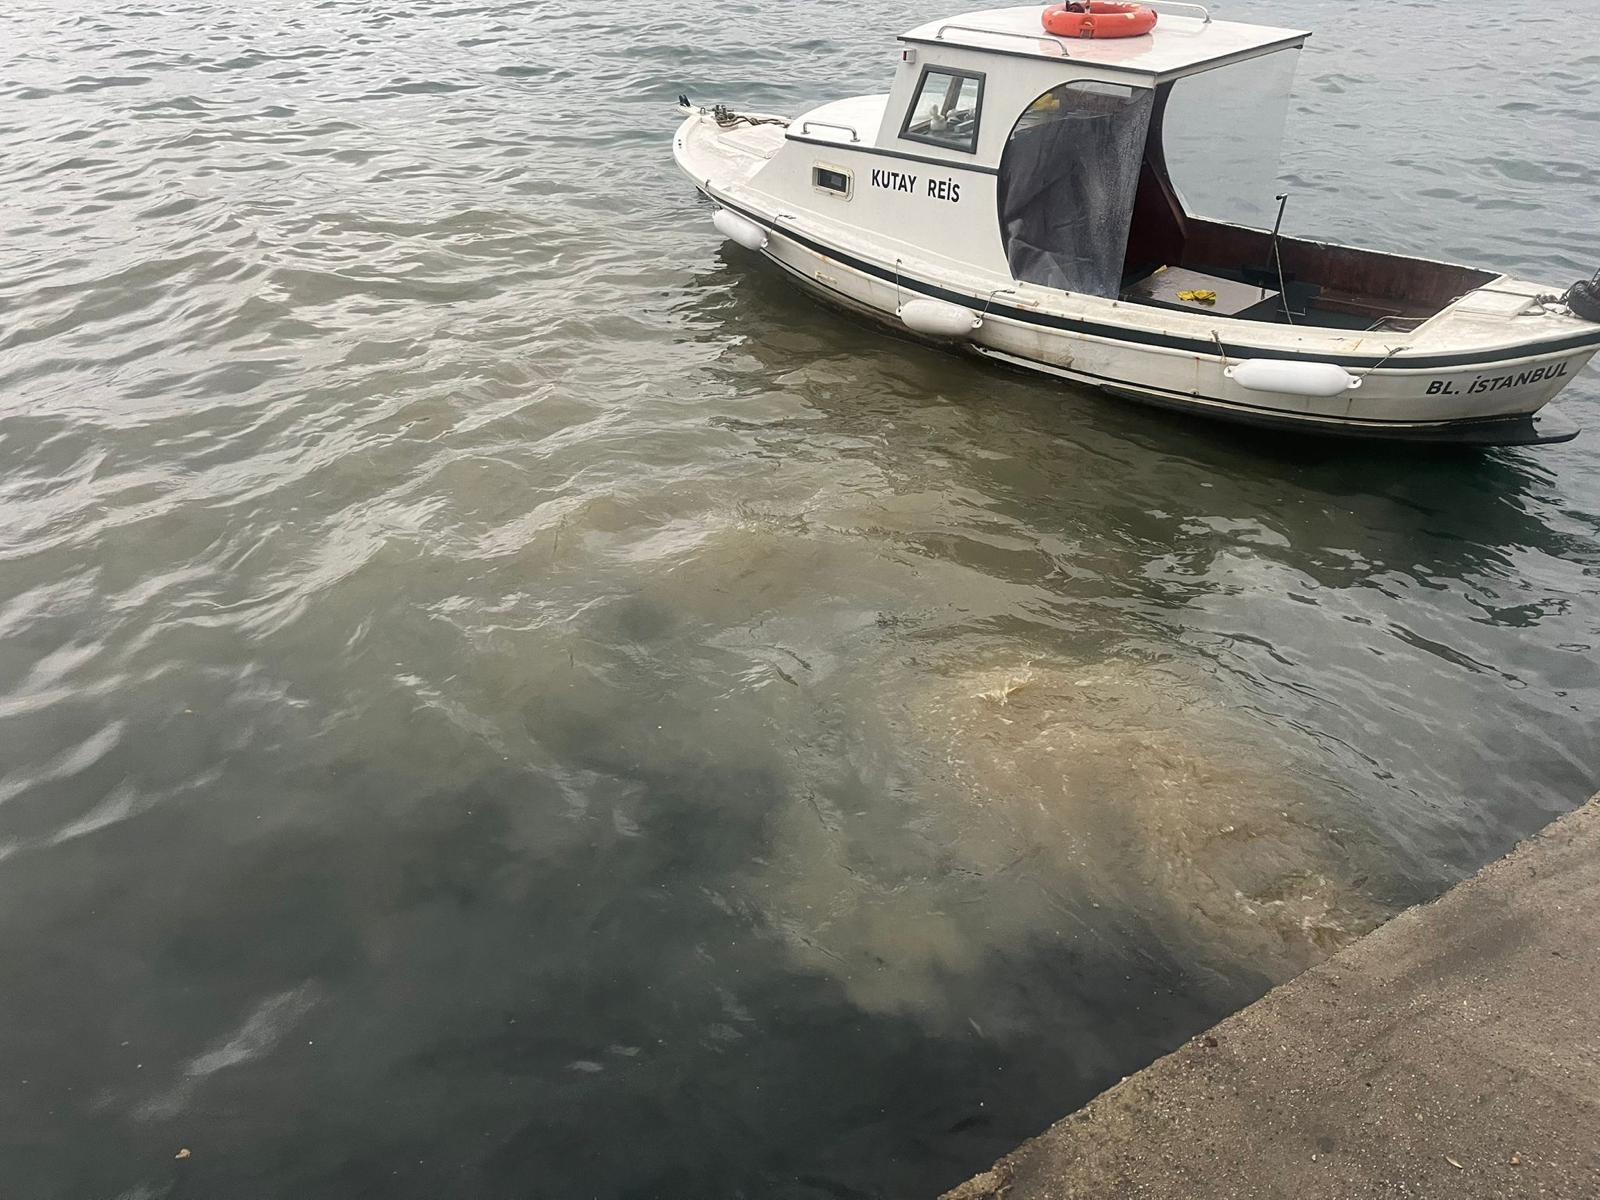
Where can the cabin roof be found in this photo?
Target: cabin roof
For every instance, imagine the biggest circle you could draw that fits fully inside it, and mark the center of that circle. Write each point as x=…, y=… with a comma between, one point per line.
x=1179, y=44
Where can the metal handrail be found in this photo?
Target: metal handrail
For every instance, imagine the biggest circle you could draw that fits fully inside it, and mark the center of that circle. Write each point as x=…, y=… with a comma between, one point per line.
x=1205, y=13
x=850, y=129
x=1039, y=39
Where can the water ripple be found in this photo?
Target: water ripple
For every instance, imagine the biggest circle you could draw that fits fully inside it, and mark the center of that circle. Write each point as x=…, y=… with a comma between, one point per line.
x=488, y=672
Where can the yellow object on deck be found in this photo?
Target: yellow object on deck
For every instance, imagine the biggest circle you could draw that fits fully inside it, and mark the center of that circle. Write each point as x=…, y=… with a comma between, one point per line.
x=1199, y=296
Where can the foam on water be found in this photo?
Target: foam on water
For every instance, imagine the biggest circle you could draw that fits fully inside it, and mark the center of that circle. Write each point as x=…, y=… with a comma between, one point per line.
x=1108, y=800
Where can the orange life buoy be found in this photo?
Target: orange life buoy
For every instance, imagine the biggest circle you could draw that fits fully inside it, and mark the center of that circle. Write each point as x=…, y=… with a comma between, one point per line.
x=1099, y=19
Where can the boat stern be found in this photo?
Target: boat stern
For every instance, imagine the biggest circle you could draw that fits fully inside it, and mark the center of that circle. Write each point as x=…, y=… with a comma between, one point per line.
x=1504, y=350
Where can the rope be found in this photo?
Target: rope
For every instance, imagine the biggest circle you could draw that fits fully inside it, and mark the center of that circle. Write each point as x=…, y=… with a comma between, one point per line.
x=726, y=118
x=1583, y=288
x=1393, y=350
x=1283, y=291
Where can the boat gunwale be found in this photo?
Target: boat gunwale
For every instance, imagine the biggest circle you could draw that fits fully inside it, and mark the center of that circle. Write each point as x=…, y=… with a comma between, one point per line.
x=1392, y=361
x=1517, y=430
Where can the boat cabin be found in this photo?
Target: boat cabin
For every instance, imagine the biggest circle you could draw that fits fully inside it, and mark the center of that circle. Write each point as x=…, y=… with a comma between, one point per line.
x=1141, y=169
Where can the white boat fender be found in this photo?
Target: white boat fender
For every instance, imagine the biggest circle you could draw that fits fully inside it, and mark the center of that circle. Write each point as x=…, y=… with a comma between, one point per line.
x=939, y=319
x=1292, y=378
x=739, y=229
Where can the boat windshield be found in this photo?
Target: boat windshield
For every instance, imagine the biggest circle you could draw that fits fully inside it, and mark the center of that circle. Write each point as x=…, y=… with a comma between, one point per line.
x=1223, y=138
x=1067, y=183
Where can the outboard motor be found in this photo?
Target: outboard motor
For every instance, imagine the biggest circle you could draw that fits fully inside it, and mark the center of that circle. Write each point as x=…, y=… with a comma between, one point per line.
x=1583, y=298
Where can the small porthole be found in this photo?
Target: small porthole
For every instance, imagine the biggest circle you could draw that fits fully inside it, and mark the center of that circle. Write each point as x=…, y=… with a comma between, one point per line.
x=831, y=179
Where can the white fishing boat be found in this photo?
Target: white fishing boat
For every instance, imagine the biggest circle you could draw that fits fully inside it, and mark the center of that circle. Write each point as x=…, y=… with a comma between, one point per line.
x=1049, y=193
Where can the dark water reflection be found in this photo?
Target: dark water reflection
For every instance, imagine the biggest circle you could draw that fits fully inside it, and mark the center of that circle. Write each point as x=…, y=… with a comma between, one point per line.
x=501, y=697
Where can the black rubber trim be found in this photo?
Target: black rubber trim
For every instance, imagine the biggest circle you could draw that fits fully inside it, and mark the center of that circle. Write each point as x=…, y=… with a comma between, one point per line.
x=916, y=158
x=1260, y=415
x=1144, y=337
x=1497, y=431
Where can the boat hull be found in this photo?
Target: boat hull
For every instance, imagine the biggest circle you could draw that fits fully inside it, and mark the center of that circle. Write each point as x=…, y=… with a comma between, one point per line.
x=1485, y=399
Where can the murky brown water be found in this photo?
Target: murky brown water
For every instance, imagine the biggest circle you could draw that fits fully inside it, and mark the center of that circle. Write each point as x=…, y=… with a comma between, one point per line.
x=500, y=697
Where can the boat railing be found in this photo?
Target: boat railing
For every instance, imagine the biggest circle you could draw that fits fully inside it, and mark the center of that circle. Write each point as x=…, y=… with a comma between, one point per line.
x=1163, y=5
x=1037, y=40
x=850, y=129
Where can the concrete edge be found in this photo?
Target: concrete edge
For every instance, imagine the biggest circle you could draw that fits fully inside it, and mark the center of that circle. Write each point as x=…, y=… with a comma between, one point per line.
x=1396, y=955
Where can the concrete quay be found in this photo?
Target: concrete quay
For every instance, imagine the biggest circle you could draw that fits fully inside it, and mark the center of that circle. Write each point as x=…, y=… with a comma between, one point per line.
x=1452, y=1053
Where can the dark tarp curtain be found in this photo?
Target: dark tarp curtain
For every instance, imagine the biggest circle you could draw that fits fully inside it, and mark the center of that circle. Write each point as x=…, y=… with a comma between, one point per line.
x=1067, y=183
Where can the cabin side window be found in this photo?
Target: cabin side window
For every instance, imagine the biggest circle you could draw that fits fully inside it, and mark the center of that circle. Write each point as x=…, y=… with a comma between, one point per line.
x=1067, y=182
x=945, y=109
